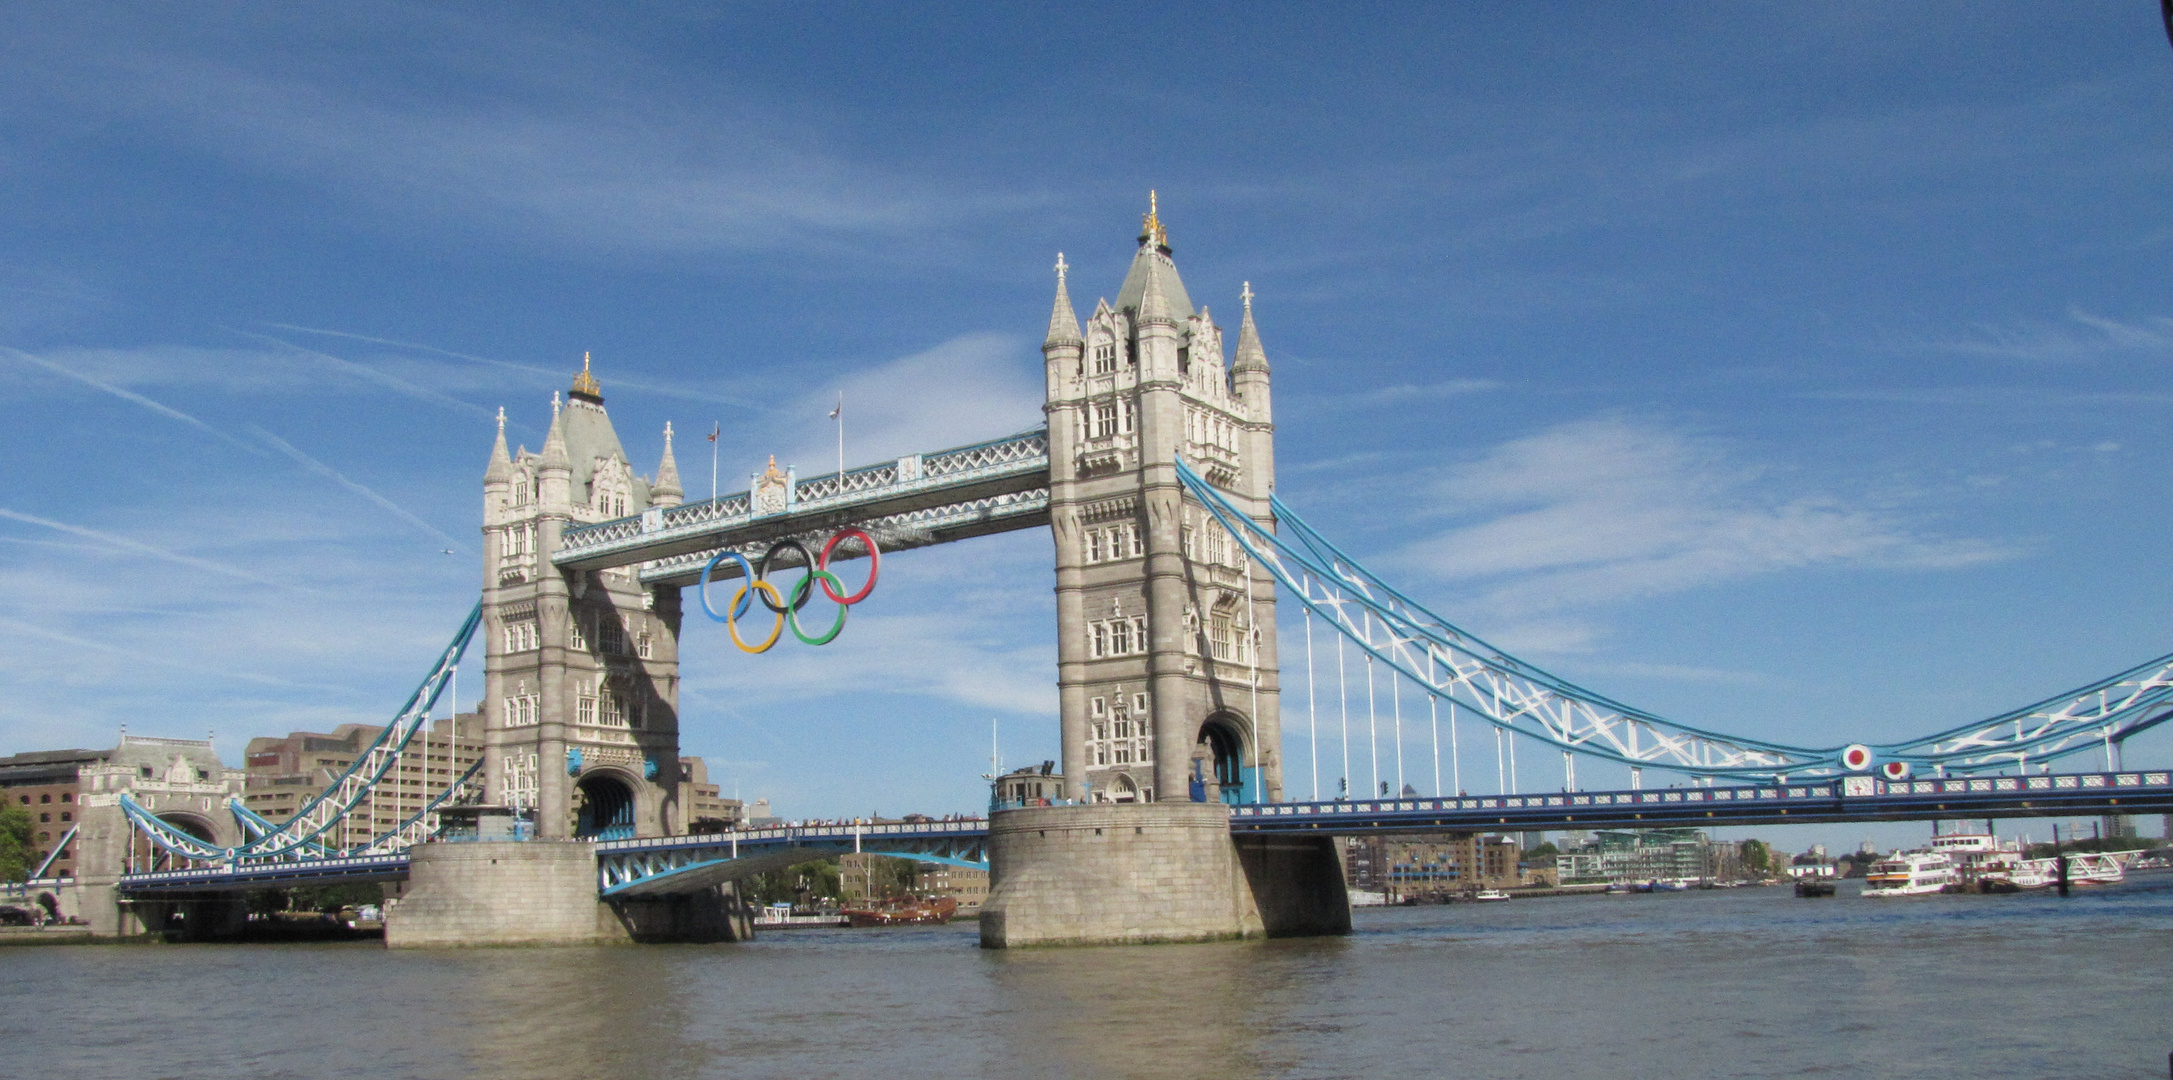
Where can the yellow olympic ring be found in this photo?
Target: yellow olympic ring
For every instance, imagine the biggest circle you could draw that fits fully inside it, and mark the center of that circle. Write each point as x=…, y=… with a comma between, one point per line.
x=732, y=625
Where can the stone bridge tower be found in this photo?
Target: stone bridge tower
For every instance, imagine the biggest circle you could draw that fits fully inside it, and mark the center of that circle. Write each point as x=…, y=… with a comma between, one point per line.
x=580, y=710
x=1166, y=661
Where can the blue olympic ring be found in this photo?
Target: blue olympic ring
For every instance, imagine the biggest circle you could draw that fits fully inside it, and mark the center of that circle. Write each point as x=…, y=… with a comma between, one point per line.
x=746, y=570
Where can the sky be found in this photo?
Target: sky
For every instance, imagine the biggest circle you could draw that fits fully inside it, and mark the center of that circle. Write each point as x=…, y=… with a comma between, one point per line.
x=1797, y=371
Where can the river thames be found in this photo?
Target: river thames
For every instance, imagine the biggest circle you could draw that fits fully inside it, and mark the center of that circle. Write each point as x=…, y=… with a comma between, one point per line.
x=1739, y=983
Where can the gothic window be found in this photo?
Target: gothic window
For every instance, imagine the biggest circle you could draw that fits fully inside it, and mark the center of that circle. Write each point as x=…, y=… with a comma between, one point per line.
x=611, y=634
x=1131, y=531
x=577, y=637
x=1100, y=641
x=585, y=708
x=1094, y=545
x=1105, y=357
x=1139, y=704
x=1105, y=419
x=1130, y=415
x=1120, y=637
x=1098, y=707
x=642, y=646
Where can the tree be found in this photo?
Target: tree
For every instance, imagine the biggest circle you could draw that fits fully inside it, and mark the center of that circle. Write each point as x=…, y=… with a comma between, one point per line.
x=793, y=884
x=1543, y=854
x=18, y=855
x=1757, y=857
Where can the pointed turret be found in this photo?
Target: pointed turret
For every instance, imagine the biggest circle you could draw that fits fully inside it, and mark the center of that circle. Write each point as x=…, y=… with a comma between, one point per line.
x=554, y=467
x=1154, y=305
x=1063, y=323
x=1250, y=356
x=666, y=491
x=501, y=463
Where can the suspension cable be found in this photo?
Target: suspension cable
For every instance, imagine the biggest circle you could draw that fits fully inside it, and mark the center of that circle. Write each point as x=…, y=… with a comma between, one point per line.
x=1312, y=715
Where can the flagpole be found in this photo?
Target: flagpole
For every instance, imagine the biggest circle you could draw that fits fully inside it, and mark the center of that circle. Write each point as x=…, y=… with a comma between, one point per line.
x=713, y=433
x=839, y=416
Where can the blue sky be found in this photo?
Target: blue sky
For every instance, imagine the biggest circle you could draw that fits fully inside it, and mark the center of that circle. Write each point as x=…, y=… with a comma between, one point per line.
x=1794, y=371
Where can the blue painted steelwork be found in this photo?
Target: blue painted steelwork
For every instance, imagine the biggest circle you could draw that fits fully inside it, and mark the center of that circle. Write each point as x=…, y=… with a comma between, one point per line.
x=270, y=874
x=684, y=864
x=1833, y=799
x=47, y=864
x=328, y=807
x=1456, y=666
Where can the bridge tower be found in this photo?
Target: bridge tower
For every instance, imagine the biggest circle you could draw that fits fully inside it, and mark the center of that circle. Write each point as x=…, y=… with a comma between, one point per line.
x=581, y=720
x=1166, y=660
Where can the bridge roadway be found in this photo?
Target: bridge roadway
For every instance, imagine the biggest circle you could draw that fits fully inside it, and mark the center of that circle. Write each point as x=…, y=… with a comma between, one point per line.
x=669, y=865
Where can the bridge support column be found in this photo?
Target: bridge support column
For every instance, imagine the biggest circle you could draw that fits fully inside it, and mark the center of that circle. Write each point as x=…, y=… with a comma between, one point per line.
x=1135, y=873
x=542, y=892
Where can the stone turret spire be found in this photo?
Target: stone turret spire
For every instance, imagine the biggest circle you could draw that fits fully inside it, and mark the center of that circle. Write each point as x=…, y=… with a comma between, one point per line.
x=1153, y=306
x=666, y=491
x=1250, y=356
x=501, y=462
x=1063, y=323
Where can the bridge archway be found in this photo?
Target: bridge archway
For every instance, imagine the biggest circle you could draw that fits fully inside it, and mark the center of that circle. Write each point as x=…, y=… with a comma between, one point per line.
x=607, y=808
x=1222, y=754
x=1123, y=789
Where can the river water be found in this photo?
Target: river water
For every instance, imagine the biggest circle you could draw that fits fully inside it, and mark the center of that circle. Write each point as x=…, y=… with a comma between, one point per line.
x=1739, y=983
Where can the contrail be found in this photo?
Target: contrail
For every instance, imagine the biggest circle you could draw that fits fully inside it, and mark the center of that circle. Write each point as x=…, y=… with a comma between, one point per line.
x=140, y=548
x=130, y=395
x=330, y=473
x=667, y=391
x=365, y=371
x=188, y=665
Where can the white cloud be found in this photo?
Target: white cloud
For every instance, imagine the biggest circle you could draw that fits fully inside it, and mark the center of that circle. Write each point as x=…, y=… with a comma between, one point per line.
x=1601, y=511
x=965, y=390
x=557, y=137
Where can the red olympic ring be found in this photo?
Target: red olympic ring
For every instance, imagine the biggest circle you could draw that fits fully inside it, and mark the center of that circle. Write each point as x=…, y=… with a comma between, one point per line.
x=875, y=566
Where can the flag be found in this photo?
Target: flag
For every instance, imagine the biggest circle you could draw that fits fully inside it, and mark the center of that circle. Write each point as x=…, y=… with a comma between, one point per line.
x=714, y=431
x=840, y=409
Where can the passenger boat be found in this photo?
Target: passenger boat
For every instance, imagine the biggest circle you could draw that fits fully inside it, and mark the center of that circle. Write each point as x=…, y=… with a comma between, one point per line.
x=931, y=911
x=1490, y=894
x=2083, y=870
x=1914, y=873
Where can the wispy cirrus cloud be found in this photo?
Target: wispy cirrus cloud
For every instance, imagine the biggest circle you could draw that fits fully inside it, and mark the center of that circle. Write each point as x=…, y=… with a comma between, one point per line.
x=138, y=547
x=337, y=477
x=1602, y=511
x=125, y=394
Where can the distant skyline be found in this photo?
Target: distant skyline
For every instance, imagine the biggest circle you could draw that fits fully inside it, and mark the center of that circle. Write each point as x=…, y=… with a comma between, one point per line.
x=1793, y=372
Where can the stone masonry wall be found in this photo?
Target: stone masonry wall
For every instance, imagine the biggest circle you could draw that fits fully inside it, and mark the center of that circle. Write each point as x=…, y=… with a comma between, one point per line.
x=1115, y=873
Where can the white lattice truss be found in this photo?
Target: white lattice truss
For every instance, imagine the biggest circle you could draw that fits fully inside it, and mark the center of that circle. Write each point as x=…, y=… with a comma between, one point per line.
x=299, y=835
x=1454, y=666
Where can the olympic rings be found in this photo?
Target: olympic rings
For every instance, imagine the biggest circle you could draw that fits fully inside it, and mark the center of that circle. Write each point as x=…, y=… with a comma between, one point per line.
x=747, y=571
x=787, y=606
x=800, y=596
x=875, y=565
x=829, y=581
x=731, y=626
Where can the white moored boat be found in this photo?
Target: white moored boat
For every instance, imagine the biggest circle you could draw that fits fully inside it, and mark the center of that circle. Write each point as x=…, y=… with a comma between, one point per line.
x=1915, y=873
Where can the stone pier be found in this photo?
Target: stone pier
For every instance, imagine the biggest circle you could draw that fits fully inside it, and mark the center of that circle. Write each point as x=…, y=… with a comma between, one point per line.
x=1138, y=873
x=543, y=892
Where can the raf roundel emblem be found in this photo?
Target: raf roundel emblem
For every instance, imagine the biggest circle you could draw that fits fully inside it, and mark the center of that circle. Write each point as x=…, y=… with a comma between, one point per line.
x=1856, y=757
x=1895, y=770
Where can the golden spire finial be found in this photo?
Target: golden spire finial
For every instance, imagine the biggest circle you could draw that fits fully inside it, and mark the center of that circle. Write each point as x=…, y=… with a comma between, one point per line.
x=585, y=385
x=1151, y=231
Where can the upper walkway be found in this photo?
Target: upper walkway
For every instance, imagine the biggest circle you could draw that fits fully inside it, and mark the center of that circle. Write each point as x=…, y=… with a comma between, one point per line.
x=915, y=501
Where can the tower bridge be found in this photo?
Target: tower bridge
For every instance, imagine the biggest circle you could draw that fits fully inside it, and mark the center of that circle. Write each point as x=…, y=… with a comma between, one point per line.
x=1181, y=816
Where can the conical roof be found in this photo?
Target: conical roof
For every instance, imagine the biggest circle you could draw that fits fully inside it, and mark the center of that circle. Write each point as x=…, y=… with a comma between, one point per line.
x=501, y=463
x=1250, y=356
x=667, y=472
x=1063, y=322
x=1155, y=265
